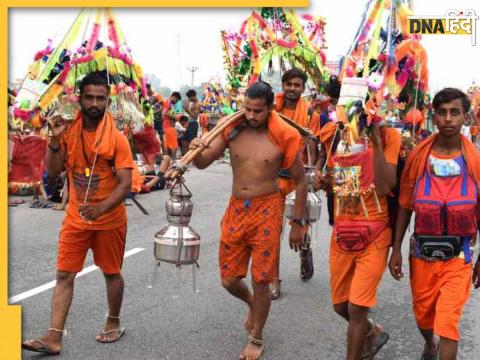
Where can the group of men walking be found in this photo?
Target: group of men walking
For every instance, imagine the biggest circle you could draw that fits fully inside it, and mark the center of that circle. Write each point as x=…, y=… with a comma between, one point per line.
x=439, y=184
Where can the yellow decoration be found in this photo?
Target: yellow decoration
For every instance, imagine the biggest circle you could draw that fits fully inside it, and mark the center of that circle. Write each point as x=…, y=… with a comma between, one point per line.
x=50, y=95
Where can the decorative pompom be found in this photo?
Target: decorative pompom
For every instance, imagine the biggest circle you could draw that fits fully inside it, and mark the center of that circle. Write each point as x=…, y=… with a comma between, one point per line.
x=375, y=81
x=414, y=116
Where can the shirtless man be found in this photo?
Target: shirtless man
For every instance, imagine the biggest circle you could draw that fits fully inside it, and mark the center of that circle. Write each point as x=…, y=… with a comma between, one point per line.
x=260, y=145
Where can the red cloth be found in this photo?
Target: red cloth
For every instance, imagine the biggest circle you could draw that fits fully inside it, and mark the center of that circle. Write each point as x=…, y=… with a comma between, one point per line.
x=364, y=160
x=147, y=143
x=28, y=157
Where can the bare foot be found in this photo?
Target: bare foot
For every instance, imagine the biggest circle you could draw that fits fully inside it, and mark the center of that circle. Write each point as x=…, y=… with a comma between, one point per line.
x=248, y=322
x=58, y=207
x=251, y=351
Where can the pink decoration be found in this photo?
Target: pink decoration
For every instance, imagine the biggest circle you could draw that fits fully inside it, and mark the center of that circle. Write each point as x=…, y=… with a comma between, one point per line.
x=63, y=75
x=93, y=37
x=47, y=51
x=83, y=59
x=112, y=33
x=286, y=44
x=375, y=81
x=350, y=72
x=323, y=57
x=22, y=114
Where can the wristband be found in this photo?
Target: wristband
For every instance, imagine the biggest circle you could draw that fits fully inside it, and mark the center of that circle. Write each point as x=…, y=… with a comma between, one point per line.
x=300, y=222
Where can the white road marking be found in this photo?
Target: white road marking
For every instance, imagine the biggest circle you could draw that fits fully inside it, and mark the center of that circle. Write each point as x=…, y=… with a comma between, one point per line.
x=51, y=284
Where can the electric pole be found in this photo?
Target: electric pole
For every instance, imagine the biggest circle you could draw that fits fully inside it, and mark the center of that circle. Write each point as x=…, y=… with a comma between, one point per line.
x=192, y=69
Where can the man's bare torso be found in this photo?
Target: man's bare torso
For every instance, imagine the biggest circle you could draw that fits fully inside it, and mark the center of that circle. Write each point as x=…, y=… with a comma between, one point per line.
x=255, y=162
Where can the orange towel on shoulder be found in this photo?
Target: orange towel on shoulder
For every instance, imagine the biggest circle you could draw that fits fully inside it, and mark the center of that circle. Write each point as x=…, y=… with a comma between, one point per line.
x=417, y=160
x=283, y=136
x=300, y=116
x=105, y=137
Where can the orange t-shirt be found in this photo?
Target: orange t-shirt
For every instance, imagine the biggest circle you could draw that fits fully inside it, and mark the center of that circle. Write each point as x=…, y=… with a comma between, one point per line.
x=391, y=149
x=102, y=183
x=282, y=135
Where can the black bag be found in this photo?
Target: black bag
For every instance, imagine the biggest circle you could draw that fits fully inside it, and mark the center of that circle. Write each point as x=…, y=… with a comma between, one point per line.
x=440, y=247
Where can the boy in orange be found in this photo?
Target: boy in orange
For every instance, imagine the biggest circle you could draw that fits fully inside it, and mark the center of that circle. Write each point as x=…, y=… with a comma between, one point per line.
x=290, y=103
x=172, y=107
x=260, y=144
x=99, y=163
x=355, y=275
x=441, y=176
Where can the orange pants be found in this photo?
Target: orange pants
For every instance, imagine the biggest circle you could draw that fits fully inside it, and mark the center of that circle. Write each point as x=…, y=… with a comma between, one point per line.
x=286, y=186
x=440, y=290
x=355, y=275
x=108, y=247
x=251, y=228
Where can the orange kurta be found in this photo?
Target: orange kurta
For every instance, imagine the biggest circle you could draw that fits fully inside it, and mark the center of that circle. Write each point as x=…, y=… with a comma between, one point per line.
x=113, y=149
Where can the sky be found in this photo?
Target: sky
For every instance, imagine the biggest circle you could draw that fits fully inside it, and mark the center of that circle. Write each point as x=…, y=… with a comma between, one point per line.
x=166, y=42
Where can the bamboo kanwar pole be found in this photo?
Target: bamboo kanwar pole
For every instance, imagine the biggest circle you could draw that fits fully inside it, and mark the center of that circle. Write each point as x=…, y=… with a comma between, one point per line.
x=303, y=131
x=222, y=124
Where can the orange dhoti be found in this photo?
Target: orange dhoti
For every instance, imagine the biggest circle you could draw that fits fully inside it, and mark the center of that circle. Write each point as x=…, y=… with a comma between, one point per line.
x=170, y=138
x=440, y=290
x=355, y=275
x=251, y=228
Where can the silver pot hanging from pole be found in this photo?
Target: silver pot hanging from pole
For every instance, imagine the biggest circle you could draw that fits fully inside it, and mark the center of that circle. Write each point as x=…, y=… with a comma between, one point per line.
x=177, y=243
x=313, y=204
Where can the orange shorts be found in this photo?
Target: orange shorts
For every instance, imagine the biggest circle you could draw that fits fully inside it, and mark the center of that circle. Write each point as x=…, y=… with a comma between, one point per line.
x=440, y=290
x=251, y=228
x=355, y=275
x=108, y=247
x=286, y=185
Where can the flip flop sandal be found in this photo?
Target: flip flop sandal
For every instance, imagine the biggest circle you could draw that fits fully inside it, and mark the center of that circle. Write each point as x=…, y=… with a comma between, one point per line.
x=40, y=205
x=379, y=342
x=121, y=332
x=44, y=349
x=15, y=202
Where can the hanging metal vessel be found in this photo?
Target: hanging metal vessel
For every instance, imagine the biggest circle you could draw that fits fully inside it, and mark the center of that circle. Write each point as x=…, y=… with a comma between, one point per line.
x=289, y=205
x=313, y=205
x=179, y=211
x=177, y=244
